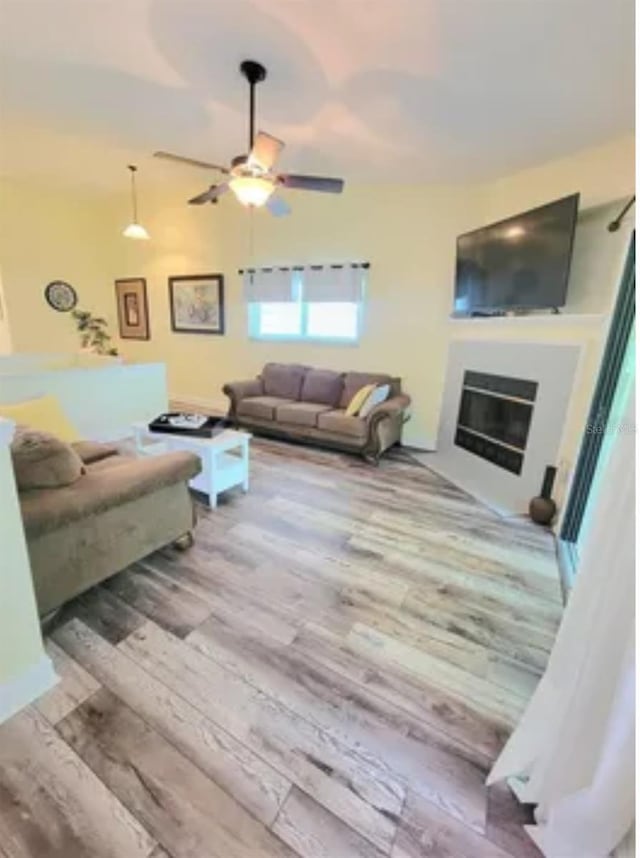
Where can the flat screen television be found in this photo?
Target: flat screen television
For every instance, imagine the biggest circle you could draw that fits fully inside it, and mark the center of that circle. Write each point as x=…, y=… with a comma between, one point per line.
x=519, y=263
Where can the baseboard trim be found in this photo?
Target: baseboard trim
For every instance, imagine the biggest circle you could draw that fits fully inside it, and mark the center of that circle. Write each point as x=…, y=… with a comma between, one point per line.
x=419, y=445
x=567, y=564
x=182, y=403
x=24, y=689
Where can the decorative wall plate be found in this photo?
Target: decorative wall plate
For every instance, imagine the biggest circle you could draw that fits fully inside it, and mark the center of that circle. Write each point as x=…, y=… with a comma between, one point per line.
x=61, y=296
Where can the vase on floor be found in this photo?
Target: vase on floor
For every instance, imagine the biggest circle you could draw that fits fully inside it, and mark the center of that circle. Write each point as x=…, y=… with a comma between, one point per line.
x=542, y=509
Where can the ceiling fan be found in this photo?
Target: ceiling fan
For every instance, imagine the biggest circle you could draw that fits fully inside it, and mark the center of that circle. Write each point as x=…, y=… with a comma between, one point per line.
x=252, y=177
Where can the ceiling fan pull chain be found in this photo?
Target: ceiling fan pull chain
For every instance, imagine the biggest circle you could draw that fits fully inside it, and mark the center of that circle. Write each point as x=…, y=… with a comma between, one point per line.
x=251, y=237
x=252, y=113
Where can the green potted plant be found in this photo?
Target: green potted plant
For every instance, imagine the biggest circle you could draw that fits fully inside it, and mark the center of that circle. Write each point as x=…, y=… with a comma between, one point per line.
x=93, y=333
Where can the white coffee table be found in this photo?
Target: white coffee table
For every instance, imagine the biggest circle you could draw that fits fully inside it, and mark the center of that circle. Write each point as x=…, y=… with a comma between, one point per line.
x=225, y=457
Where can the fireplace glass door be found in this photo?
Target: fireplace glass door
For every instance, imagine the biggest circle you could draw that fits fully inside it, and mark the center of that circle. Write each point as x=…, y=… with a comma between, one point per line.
x=495, y=417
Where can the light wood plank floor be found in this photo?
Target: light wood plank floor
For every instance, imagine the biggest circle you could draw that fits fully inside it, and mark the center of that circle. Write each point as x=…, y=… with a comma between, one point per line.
x=328, y=673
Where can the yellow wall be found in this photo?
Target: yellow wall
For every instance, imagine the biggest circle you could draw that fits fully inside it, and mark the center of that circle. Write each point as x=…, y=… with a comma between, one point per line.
x=5, y=331
x=53, y=234
x=406, y=232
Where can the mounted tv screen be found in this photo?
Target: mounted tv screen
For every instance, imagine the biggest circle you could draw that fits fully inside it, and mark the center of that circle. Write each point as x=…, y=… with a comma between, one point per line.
x=519, y=263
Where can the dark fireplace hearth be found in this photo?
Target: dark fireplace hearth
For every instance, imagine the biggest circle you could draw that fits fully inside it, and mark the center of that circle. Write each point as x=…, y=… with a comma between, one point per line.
x=494, y=418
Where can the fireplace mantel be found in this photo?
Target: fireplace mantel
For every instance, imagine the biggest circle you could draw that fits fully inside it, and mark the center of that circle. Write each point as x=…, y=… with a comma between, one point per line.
x=554, y=320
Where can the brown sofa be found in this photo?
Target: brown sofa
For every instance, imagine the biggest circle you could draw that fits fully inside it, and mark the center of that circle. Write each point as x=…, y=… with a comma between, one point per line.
x=307, y=404
x=117, y=512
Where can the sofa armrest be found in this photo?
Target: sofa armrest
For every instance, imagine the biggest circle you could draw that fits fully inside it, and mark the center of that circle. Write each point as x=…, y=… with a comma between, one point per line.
x=238, y=390
x=390, y=407
x=100, y=489
x=384, y=425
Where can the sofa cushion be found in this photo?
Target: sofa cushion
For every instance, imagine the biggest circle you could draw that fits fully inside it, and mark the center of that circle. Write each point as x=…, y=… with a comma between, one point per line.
x=40, y=460
x=338, y=422
x=262, y=407
x=283, y=379
x=322, y=385
x=354, y=381
x=301, y=413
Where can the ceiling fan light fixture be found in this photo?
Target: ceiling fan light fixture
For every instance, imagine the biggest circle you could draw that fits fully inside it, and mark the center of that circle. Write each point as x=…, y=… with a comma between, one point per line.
x=135, y=230
x=252, y=190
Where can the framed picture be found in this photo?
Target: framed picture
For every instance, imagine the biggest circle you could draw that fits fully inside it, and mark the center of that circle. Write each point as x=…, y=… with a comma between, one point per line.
x=197, y=303
x=133, y=311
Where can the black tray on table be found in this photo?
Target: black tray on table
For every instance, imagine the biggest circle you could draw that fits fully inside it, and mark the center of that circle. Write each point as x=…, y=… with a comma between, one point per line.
x=212, y=427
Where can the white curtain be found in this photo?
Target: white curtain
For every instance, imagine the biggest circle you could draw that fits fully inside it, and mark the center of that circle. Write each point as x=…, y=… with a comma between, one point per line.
x=333, y=283
x=573, y=752
x=268, y=285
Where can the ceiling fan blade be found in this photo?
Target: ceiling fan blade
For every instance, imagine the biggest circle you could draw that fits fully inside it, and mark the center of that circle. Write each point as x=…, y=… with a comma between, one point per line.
x=194, y=162
x=210, y=196
x=312, y=183
x=278, y=206
x=265, y=151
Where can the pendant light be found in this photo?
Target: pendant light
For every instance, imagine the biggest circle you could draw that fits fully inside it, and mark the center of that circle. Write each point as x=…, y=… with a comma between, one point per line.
x=135, y=229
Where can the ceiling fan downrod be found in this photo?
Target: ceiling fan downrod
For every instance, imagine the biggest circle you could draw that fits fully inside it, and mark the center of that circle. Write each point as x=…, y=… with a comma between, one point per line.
x=254, y=72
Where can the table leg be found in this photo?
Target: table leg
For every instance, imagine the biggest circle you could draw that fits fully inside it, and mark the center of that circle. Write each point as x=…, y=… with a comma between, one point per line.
x=213, y=495
x=245, y=462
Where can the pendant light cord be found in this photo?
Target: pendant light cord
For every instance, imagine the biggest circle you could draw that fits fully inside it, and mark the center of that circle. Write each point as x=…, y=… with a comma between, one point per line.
x=134, y=201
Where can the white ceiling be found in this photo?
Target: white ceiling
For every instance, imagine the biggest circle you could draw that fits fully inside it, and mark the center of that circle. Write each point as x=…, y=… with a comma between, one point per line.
x=387, y=90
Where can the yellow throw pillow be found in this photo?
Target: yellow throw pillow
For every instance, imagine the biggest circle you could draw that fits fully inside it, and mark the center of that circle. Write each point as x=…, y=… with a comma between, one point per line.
x=44, y=414
x=358, y=400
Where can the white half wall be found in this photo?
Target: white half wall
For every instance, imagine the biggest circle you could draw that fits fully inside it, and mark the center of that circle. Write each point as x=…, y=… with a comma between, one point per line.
x=101, y=403
x=25, y=669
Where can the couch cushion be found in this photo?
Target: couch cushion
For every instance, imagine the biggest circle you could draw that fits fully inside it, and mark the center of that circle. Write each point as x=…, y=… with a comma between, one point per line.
x=301, y=413
x=283, y=379
x=262, y=407
x=41, y=461
x=322, y=385
x=338, y=422
x=354, y=381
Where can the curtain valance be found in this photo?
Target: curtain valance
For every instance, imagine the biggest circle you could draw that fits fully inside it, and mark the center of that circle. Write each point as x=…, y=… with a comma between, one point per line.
x=319, y=283
x=268, y=285
x=331, y=283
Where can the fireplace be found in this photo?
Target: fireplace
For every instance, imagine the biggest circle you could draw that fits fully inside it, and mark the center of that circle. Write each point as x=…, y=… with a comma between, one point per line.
x=494, y=418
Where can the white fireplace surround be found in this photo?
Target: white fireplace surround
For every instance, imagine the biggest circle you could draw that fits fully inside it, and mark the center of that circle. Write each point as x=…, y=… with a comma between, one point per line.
x=553, y=366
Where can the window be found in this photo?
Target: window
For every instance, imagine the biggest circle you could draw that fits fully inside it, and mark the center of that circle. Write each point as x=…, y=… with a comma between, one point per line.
x=336, y=321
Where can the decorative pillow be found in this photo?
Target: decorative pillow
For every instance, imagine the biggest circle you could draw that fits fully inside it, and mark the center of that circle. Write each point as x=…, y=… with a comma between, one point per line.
x=353, y=381
x=42, y=461
x=378, y=395
x=358, y=400
x=45, y=414
x=323, y=386
x=283, y=379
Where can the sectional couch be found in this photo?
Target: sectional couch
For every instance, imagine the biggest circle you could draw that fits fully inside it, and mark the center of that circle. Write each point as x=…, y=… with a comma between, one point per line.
x=306, y=404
